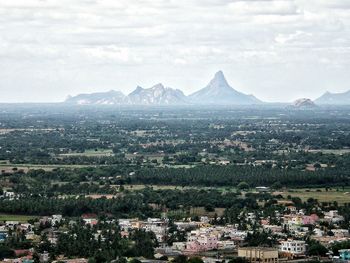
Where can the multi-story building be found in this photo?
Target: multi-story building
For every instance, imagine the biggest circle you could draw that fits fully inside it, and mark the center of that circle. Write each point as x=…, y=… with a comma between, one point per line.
x=258, y=254
x=293, y=247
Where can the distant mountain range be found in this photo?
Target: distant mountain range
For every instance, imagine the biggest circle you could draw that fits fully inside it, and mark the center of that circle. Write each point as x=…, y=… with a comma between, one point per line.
x=217, y=92
x=334, y=98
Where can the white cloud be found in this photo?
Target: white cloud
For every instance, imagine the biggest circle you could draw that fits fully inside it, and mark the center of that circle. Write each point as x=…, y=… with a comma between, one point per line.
x=264, y=7
x=86, y=45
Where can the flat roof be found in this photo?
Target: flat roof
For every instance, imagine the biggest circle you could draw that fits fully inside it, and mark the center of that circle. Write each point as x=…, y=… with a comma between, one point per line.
x=259, y=248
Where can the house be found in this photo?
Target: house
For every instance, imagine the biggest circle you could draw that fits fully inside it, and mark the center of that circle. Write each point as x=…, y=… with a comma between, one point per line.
x=9, y=195
x=129, y=224
x=90, y=221
x=262, y=189
x=332, y=216
x=11, y=224
x=258, y=254
x=292, y=208
x=293, y=247
x=179, y=246
x=193, y=247
x=201, y=242
x=226, y=245
x=340, y=232
x=310, y=220
x=55, y=219
x=273, y=228
x=158, y=226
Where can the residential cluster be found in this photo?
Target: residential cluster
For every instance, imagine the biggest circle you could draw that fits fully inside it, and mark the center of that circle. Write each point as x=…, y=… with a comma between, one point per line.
x=291, y=231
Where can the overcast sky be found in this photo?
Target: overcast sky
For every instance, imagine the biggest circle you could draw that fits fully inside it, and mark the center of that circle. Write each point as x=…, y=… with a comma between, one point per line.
x=277, y=50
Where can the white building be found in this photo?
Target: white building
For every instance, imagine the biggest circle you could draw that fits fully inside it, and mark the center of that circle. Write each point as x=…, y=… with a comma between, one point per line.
x=294, y=247
x=55, y=219
x=227, y=244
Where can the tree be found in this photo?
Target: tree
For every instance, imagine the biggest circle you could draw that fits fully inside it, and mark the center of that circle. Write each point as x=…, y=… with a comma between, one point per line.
x=145, y=242
x=180, y=259
x=238, y=260
x=6, y=252
x=243, y=186
x=316, y=249
x=195, y=260
x=277, y=185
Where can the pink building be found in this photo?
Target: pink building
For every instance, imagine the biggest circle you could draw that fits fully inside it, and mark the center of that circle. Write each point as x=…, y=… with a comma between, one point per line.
x=201, y=243
x=310, y=220
x=193, y=247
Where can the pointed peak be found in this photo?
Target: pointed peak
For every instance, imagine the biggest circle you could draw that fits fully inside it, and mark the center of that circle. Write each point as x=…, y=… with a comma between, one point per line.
x=219, y=80
x=219, y=74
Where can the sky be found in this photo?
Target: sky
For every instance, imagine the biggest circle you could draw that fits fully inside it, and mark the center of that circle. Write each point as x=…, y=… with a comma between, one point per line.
x=277, y=50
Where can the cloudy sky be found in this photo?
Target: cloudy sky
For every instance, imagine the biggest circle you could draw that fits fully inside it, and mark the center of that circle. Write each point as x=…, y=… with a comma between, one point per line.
x=277, y=50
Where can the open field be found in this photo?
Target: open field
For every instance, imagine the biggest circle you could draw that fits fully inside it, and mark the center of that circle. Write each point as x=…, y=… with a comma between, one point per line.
x=135, y=187
x=341, y=196
x=8, y=168
x=90, y=153
x=20, y=218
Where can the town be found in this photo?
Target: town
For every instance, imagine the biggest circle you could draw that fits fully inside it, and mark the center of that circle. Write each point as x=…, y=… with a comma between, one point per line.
x=289, y=233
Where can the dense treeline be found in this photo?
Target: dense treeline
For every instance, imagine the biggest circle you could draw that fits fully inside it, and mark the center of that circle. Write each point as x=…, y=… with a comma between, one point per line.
x=131, y=204
x=111, y=179
x=233, y=175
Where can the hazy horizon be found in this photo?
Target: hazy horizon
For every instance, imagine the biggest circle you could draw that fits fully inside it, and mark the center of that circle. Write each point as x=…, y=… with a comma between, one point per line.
x=278, y=51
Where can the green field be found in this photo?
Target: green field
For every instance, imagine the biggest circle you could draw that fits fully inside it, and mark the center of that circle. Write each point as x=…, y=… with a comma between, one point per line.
x=341, y=196
x=20, y=218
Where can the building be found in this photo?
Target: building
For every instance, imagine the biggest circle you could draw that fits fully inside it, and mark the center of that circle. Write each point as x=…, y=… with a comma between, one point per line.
x=258, y=254
x=226, y=245
x=199, y=243
x=262, y=189
x=55, y=219
x=293, y=247
x=310, y=220
x=340, y=232
x=158, y=226
x=333, y=216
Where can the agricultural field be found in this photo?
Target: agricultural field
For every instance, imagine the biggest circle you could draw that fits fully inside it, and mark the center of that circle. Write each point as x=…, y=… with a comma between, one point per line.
x=339, y=195
x=19, y=218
